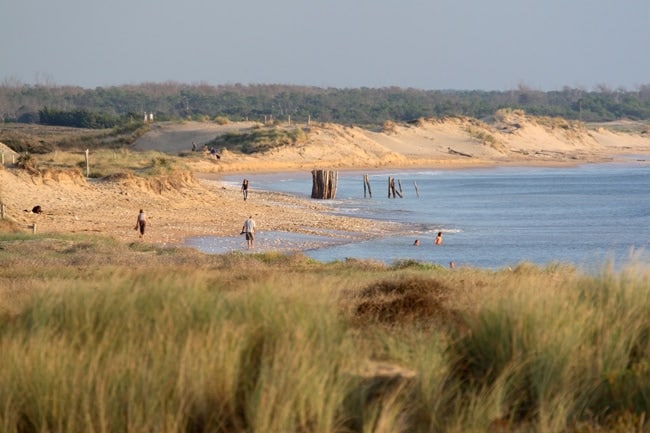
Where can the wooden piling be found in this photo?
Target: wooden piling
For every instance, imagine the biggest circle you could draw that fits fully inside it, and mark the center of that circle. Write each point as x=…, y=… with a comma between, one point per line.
x=392, y=190
x=366, y=186
x=324, y=184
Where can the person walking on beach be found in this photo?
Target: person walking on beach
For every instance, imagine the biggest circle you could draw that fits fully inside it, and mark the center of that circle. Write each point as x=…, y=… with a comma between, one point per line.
x=249, y=230
x=438, y=240
x=244, y=188
x=141, y=223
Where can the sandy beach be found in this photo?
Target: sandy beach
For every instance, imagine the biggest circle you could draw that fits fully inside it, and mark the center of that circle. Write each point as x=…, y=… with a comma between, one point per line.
x=195, y=203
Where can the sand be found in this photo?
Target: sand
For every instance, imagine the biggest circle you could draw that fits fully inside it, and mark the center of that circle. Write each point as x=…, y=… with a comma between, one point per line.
x=191, y=204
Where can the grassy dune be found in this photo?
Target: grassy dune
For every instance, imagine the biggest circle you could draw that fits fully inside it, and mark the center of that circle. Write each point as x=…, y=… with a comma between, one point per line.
x=101, y=336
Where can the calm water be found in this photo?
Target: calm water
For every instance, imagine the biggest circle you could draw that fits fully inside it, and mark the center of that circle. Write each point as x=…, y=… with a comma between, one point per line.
x=490, y=218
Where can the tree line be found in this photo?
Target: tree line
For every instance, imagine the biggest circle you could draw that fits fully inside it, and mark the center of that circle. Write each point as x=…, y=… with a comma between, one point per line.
x=113, y=106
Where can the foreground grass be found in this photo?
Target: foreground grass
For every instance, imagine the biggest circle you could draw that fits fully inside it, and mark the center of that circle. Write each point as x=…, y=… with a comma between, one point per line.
x=99, y=336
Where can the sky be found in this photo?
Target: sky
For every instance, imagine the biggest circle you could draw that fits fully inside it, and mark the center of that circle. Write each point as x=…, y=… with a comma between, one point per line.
x=423, y=44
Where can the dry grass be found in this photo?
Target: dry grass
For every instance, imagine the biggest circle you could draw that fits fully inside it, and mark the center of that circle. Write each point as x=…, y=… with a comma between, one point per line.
x=404, y=301
x=482, y=132
x=107, y=162
x=98, y=335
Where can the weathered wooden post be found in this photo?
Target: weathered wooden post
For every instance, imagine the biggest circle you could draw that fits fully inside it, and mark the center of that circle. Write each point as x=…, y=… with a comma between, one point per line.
x=417, y=192
x=366, y=186
x=324, y=183
x=391, y=188
x=87, y=165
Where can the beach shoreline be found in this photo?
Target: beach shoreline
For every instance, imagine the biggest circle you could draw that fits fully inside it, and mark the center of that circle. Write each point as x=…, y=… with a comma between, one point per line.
x=195, y=203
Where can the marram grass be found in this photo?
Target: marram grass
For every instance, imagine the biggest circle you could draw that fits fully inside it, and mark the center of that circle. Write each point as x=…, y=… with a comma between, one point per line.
x=128, y=341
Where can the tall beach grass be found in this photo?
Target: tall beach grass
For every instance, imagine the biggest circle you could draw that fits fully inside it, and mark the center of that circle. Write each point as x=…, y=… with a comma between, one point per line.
x=119, y=338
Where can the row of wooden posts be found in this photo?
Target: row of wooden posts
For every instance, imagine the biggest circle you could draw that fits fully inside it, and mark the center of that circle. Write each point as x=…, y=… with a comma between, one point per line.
x=324, y=183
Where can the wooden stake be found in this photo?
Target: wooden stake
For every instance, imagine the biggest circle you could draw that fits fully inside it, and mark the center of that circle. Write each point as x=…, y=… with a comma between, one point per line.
x=391, y=188
x=366, y=186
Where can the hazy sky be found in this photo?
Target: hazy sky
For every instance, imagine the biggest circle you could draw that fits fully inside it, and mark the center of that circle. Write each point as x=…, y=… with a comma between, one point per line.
x=425, y=44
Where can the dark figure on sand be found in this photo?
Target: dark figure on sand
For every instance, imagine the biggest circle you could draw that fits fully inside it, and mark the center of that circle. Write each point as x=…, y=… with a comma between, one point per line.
x=141, y=223
x=244, y=188
x=35, y=209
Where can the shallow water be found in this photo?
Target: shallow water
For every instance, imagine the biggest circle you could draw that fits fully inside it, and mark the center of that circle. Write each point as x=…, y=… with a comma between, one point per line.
x=490, y=218
x=264, y=241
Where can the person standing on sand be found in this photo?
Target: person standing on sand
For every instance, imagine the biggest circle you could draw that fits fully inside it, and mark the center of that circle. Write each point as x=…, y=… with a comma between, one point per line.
x=438, y=240
x=249, y=230
x=244, y=188
x=141, y=223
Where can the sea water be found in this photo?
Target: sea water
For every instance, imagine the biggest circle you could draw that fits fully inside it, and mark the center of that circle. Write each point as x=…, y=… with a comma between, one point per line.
x=588, y=215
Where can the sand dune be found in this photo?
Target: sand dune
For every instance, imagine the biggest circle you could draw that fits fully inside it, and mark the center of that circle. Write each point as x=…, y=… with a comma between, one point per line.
x=511, y=139
x=184, y=205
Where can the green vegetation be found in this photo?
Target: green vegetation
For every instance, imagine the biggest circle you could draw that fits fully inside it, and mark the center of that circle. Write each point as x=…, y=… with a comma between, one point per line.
x=100, y=336
x=107, y=162
x=77, y=118
x=259, y=140
x=46, y=139
x=102, y=107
